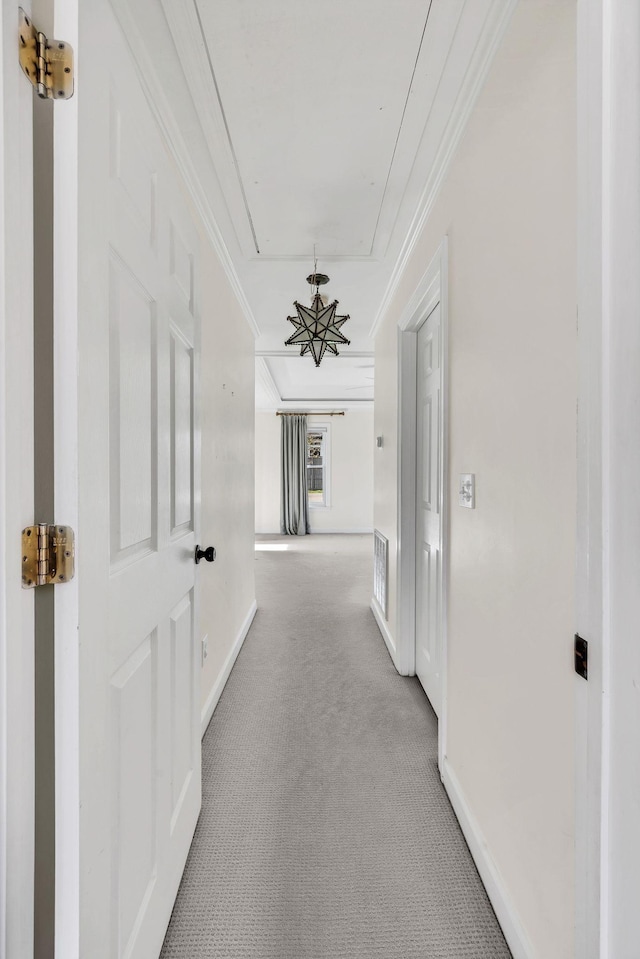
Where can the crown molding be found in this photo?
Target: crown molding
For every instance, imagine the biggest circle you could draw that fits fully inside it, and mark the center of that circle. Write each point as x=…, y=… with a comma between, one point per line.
x=151, y=84
x=324, y=257
x=289, y=355
x=329, y=404
x=186, y=27
x=492, y=33
x=276, y=401
x=264, y=376
x=320, y=406
x=184, y=21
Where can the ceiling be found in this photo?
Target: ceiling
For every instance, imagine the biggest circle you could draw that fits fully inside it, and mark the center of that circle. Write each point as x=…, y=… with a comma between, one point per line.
x=327, y=126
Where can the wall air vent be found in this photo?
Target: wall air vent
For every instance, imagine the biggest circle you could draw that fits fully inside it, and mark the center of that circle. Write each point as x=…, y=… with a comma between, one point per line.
x=380, y=567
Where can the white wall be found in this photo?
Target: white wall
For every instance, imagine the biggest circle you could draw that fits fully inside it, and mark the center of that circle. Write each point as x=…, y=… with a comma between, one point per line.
x=508, y=208
x=351, y=444
x=227, y=383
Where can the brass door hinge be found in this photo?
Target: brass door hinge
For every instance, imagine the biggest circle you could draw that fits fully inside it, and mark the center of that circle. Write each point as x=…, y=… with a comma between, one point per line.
x=48, y=555
x=47, y=63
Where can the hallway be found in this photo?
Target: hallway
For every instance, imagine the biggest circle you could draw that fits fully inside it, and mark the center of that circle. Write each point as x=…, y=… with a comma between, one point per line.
x=325, y=832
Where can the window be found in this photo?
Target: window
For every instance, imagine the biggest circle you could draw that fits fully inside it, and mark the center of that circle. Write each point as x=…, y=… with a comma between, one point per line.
x=317, y=466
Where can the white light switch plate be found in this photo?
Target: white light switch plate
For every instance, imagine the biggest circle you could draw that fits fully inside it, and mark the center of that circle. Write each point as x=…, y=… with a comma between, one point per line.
x=467, y=490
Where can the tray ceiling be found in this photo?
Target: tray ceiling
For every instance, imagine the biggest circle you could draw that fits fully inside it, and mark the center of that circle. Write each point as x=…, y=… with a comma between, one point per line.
x=314, y=100
x=329, y=125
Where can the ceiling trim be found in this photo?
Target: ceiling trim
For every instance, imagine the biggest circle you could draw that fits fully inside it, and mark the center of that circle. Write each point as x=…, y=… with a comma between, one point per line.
x=185, y=24
x=399, y=133
x=443, y=32
x=330, y=404
x=191, y=43
x=320, y=406
x=492, y=33
x=324, y=257
x=323, y=406
x=223, y=117
x=358, y=354
x=151, y=84
x=268, y=383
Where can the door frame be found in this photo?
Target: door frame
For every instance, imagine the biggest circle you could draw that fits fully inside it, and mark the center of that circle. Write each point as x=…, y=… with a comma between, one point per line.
x=430, y=291
x=607, y=568
x=17, y=627
x=591, y=746
x=590, y=742
x=66, y=15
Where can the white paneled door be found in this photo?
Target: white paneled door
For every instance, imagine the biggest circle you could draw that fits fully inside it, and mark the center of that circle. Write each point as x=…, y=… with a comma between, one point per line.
x=429, y=508
x=129, y=694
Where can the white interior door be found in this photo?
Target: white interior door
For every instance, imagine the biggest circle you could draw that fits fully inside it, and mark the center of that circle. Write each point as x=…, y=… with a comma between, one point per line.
x=133, y=685
x=429, y=508
x=16, y=497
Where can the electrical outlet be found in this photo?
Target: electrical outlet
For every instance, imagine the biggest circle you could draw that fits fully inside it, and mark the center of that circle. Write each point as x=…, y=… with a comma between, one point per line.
x=205, y=648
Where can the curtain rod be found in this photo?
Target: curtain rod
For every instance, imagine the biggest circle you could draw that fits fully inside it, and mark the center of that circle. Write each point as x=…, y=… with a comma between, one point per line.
x=306, y=413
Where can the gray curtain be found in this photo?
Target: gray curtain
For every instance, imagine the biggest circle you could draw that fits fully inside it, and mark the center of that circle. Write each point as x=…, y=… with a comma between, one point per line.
x=294, y=503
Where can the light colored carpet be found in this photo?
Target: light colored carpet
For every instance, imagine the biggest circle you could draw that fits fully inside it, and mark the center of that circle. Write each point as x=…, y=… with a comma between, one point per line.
x=325, y=831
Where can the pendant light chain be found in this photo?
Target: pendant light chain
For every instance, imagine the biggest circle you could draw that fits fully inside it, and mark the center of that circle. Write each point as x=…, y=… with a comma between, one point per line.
x=315, y=269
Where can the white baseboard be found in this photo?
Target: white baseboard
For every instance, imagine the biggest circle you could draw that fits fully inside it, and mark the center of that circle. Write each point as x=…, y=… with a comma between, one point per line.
x=383, y=626
x=517, y=939
x=218, y=686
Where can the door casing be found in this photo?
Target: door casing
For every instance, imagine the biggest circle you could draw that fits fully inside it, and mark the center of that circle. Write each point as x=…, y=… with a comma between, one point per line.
x=431, y=291
x=608, y=559
x=17, y=786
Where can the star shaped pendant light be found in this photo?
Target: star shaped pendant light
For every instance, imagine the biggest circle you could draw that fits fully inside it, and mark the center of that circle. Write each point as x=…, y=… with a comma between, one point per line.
x=317, y=328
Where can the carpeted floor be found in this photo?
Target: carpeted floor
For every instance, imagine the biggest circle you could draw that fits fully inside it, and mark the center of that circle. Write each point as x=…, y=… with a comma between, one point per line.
x=325, y=831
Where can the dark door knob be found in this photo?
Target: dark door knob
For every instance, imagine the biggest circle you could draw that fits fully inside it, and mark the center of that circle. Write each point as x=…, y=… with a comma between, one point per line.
x=209, y=554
